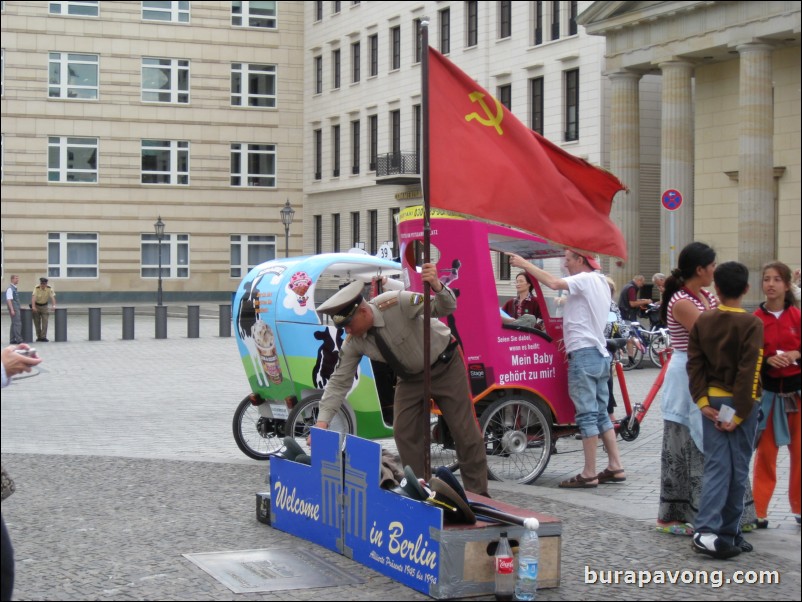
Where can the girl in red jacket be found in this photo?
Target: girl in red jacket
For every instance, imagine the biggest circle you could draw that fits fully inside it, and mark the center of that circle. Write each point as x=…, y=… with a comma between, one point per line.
x=780, y=403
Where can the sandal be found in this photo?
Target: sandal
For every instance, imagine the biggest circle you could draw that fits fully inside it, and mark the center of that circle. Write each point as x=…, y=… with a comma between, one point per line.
x=580, y=482
x=675, y=529
x=609, y=476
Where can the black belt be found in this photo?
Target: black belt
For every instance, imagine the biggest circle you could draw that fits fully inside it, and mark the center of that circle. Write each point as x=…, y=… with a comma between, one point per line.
x=41, y=304
x=447, y=353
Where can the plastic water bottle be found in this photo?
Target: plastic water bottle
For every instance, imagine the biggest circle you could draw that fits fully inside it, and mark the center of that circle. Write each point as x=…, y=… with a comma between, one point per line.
x=528, y=560
x=505, y=576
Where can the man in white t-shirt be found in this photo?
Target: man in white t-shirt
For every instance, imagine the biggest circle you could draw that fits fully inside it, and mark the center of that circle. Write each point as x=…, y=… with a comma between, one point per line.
x=584, y=317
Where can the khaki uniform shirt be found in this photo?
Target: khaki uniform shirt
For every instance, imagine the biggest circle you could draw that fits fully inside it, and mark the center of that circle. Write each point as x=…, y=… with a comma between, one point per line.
x=399, y=315
x=41, y=296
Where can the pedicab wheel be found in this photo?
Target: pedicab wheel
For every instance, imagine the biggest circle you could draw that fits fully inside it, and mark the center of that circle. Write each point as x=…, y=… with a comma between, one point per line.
x=627, y=433
x=256, y=436
x=518, y=438
x=304, y=416
x=442, y=450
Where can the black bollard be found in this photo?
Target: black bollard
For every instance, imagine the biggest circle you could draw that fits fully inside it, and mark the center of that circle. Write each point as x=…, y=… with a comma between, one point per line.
x=94, y=323
x=161, y=321
x=26, y=315
x=193, y=321
x=225, y=320
x=61, y=325
x=128, y=323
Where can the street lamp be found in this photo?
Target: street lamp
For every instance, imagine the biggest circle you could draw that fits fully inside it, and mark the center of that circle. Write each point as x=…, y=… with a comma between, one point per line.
x=159, y=227
x=287, y=213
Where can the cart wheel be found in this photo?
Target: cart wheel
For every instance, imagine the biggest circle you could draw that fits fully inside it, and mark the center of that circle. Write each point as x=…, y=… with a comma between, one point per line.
x=629, y=434
x=518, y=440
x=443, y=450
x=256, y=436
x=304, y=416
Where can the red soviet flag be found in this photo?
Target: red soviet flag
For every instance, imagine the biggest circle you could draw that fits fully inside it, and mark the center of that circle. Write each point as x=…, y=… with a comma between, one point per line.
x=484, y=162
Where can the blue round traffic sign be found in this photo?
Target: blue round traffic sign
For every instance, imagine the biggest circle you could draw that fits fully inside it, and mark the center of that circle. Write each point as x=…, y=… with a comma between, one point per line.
x=671, y=199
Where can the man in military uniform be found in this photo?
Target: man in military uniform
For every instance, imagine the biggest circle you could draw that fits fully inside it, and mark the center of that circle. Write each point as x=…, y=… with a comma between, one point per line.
x=389, y=329
x=42, y=296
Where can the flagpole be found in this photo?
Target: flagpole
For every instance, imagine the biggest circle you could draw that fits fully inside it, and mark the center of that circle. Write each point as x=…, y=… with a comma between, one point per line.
x=427, y=305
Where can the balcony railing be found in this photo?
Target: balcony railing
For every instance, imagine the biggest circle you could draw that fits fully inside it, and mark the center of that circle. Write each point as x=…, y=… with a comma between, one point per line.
x=397, y=163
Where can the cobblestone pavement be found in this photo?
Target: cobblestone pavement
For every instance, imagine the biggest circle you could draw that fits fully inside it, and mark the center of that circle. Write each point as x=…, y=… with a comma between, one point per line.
x=124, y=460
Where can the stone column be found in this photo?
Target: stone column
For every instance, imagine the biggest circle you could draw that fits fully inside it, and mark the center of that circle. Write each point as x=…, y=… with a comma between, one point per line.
x=757, y=215
x=677, y=156
x=625, y=163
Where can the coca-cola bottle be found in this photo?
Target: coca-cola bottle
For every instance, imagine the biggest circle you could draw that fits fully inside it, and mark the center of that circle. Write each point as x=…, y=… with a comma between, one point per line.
x=505, y=577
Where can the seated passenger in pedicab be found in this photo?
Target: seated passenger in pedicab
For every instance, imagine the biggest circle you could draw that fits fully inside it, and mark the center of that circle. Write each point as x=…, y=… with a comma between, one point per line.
x=523, y=309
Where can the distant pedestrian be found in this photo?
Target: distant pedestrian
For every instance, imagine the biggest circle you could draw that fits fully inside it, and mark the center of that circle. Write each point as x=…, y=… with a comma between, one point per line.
x=12, y=300
x=725, y=350
x=43, y=295
x=782, y=380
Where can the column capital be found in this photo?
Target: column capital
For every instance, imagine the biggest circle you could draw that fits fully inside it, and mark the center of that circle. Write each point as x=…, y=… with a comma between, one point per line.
x=676, y=63
x=754, y=46
x=624, y=74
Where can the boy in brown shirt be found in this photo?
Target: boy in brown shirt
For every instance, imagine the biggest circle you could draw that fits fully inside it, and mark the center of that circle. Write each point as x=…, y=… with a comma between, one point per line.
x=724, y=355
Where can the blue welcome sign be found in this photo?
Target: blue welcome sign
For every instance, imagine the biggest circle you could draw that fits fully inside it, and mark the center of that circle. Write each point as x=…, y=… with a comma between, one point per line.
x=392, y=534
x=306, y=500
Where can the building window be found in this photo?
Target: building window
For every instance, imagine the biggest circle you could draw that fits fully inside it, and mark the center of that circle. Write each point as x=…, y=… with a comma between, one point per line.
x=471, y=24
x=394, y=211
x=536, y=102
x=253, y=85
x=253, y=14
x=71, y=159
x=356, y=62
x=165, y=80
x=335, y=6
x=373, y=47
x=355, y=230
x=355, y=146
x=174, y=256
x=318, y=234
x=445, y=30
x=555, y=20
x=73, y=76
x=572, y=29
x=253, y=165
x=335, y=150
x=172, y=12
x=335, y=233
x=373, y=137
x=72, y=255
x=505, y=95
x=503, y=267
x=335, y=69
x=319, y=11
x=395, y=133
x=416, y=28
x=165, y=162
x=77, y=9
x=318, y=75
x=538, y=22
x=317, y=144
x=504, y=19
x=572, y=104
x=395, y=47
x=248, y=251
x=373, y=217
x=417, y=133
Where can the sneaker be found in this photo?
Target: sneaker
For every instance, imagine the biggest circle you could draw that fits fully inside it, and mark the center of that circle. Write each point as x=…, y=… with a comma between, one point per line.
x=712, y=545
x=762, y=523
x=743, y=544
x=797, y=518
x=749, y=527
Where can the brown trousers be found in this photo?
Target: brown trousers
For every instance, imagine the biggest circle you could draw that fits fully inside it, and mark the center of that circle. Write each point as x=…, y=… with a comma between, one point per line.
x=449, y=389
x=40, y=319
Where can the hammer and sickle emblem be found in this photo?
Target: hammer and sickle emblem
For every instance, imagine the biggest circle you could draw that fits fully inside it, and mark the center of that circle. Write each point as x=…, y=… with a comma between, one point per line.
x=492, y=120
